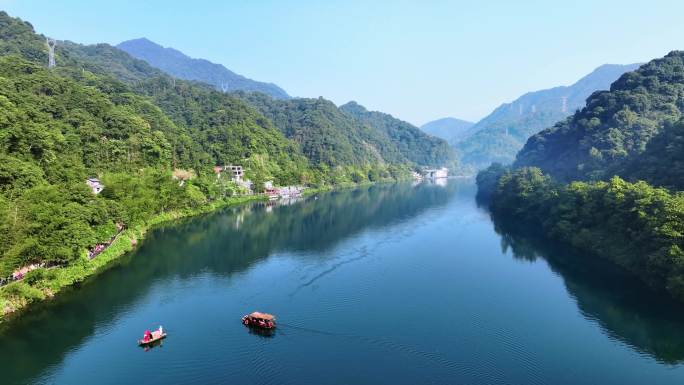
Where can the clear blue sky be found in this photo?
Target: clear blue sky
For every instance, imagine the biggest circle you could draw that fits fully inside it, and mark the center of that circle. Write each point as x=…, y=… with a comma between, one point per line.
x=418, y=60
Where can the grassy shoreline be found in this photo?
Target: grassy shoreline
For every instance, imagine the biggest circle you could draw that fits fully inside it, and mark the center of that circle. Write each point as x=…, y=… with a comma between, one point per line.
x=42, y=284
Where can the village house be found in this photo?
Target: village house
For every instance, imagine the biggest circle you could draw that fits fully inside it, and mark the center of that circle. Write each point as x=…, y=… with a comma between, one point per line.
x=236, y=173
x=269, y=190
x=437, y=173
x=95, y=185
x=290, y=191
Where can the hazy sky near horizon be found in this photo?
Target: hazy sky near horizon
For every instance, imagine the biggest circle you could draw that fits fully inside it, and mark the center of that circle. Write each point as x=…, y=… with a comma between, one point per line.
x=418, y=60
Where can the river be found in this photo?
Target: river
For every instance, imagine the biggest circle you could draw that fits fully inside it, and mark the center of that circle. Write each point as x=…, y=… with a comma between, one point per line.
x=400, y=284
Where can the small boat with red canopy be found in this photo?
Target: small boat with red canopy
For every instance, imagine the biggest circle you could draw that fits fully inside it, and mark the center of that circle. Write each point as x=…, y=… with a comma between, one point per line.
x=259, y=320
x=150, y=338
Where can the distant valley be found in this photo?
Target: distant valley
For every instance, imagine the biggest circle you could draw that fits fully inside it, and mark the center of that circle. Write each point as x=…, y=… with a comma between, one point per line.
x=450, y=129
x=502, y=133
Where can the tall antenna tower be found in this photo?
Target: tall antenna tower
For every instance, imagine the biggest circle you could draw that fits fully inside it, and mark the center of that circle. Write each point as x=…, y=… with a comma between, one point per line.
x=51, y=52
x=564, y=104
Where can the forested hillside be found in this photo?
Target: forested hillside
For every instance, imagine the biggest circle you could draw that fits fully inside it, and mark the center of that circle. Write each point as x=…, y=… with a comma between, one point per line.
x=230, y=131
x=55, y=133
x=634, y=225
x=326, y=135
x=501, y=134
x=412, y=143
x=569, y=179
x=181, y=66
x=332, y=136
x=17, y=37
x=616, y=127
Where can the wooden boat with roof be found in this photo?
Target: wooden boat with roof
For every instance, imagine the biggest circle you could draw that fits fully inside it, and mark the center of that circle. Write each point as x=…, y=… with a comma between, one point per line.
x=259, y=320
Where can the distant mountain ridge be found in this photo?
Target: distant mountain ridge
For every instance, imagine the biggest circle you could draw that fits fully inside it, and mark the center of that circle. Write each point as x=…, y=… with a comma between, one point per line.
x=178, y=64
x=450, y=129
x=501, y=134
x=634, y=130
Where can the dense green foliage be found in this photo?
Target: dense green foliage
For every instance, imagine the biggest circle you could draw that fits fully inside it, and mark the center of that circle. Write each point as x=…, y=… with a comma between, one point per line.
x=639, y=227
x=662, y=161
x=61, y=126
x=54, y=132
x=230, y=131
x=615, y=127
x=412, y=143
x=634, y=131
x=18, y=38
x=501, y=134
x=181, y=66
x=326, y=135
x=349, y=135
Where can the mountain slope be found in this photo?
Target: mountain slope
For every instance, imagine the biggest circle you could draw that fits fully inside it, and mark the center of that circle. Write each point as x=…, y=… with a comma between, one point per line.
x=17, y=37
x=569, y=180
x=450, y=129
x=61, y=125
x=326, y=135
x=623, y=131
x=182, y=66
x=412, y=143
x=501, y=134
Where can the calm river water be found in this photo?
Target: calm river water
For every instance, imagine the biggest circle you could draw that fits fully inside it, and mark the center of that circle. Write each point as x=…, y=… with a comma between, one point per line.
x=392, y=284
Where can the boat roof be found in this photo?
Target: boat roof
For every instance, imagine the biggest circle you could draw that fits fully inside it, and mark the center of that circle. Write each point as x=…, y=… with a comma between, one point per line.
x=266, y=316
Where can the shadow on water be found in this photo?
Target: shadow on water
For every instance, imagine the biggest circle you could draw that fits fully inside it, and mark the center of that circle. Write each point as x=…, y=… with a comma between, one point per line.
x=263, y=333
x=156, y=344
x=223, y=244
x=625, y=309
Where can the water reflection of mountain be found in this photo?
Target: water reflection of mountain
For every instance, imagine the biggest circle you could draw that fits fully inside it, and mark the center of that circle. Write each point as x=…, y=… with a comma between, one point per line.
x=626, y=310
x=223, y=243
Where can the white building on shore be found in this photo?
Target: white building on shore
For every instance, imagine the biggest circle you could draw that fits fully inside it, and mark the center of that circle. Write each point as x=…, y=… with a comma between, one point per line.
x=437, y=173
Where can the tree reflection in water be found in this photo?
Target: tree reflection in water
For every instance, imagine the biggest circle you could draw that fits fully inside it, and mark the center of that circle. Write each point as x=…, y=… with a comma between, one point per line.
x=626, y=310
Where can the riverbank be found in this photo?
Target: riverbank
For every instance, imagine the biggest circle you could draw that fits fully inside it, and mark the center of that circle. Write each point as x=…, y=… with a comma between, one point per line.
x=44, y=283
x=633, y=225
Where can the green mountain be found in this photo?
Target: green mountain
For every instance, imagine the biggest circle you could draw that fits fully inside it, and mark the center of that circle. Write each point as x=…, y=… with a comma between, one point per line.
x=633, y=130
x=17, y=37
x=59, y=126
x=330, y=136
x=501, y=134
x=569, y=180
x=182, y=66
x=450, y=129
x=415, y=145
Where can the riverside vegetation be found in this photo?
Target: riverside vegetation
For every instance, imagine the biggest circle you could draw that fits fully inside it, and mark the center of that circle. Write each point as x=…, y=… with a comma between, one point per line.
x=153, y=142
x=608, y=179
